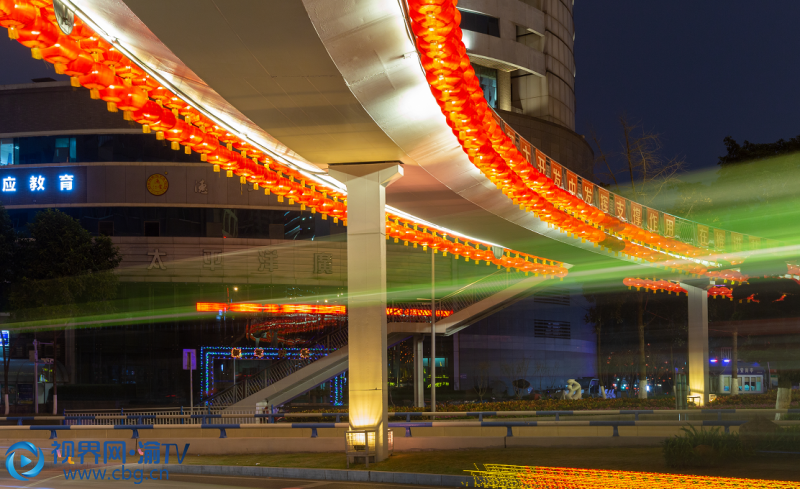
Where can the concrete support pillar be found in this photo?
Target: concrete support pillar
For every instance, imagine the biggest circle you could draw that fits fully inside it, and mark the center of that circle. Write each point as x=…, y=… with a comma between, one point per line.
x=504, y=90
x=698, y=342
x=366, y=294
x=419, y=376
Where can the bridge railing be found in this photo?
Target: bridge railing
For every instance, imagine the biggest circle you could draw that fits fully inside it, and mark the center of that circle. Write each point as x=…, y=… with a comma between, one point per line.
x=269, y=374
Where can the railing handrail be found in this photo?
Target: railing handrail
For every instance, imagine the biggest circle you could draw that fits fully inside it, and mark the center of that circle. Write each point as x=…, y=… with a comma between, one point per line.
x=251, y=413
x=287, y=366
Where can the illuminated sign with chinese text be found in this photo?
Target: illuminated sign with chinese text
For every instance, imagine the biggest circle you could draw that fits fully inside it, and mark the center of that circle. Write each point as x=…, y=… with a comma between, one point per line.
x=22, y=185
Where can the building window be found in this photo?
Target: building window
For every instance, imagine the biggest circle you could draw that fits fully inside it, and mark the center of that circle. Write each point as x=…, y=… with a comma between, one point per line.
x=6, y=152
x=151, y=228
x=483, y=24
x=64, y=150
x=487, y=77
x=105, y=228
x=551, y=329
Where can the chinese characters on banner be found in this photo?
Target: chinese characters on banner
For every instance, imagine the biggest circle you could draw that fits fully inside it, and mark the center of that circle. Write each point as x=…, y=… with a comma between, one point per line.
x=588, y=192
x=604, y=199
x=572, y=183
x=619, y=208
x=719, y=239
x=652, y=220
x=525, y=148
x=636, y=214
x=702, y=235
x=669, y=225
x=541, y=162
x=555, y=169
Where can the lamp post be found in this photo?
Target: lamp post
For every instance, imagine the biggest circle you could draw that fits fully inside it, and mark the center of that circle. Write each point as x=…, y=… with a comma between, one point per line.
x=433, y=330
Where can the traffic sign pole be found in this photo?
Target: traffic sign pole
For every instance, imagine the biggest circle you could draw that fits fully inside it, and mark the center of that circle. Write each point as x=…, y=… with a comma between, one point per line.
x=190, y=363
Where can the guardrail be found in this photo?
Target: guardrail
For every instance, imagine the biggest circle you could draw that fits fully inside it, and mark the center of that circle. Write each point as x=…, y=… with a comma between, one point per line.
x=245, y=414
x=223, y=427
x=210, y=420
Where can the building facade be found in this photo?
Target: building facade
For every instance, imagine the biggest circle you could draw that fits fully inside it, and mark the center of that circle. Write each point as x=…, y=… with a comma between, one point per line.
x=523, y=54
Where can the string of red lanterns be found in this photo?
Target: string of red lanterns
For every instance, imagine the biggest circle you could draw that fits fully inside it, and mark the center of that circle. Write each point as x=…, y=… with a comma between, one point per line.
x=452, y=80
x=97, y=65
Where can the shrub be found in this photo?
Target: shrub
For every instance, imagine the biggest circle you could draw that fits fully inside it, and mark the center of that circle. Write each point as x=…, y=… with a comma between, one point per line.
x=703, y=448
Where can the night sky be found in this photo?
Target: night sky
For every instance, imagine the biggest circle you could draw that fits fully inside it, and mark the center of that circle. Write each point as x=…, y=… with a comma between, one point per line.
x=691, y=71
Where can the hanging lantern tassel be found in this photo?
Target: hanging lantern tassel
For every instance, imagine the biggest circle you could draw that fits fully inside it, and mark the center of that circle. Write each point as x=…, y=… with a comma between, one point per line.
x=176, y=146
x=266, y=191
x=203, y=157
x=36, y=53
x=216, y=168
x=127, y=115
x=94, y=94
x=146, y=128
x=112, y=107
x=187, y=150
x=229, y=173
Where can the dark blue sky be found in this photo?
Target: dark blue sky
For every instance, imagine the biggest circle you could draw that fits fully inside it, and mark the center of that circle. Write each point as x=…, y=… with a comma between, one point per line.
x=692, y=71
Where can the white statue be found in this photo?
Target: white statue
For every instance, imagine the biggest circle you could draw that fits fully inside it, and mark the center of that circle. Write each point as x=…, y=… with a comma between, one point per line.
x=573, y=391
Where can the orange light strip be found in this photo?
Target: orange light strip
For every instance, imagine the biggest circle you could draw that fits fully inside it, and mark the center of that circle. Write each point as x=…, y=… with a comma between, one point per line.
x=670, y=287
x=510, y=476
x=455, y=87
x=310, y=309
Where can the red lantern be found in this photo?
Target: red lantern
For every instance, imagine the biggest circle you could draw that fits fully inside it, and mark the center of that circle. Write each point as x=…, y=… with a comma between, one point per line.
x=113, y=58
x=112, y=94
x=132, y=100
x=99, y=77
x=149, y=114
x=37, y=35
x=206, y=146
x=14, y=14
x=61, y=53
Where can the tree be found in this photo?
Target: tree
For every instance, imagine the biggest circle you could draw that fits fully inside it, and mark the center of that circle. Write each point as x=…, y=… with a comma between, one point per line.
x=481, y=380
x=641, y=173
x=517, y=371
x=63, y=273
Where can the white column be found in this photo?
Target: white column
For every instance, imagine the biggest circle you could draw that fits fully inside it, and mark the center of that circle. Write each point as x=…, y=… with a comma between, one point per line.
x=366, y=294
x=419, y=378
x=698, y=342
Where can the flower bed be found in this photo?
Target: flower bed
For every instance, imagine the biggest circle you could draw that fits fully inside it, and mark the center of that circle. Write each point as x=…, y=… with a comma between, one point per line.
x=752, y=401
x=526, y=405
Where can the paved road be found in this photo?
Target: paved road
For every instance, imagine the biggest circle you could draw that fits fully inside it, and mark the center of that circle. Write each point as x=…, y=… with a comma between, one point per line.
x=54, y=479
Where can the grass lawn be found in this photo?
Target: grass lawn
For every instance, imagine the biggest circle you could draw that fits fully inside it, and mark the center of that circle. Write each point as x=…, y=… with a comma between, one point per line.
x=456, y=461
